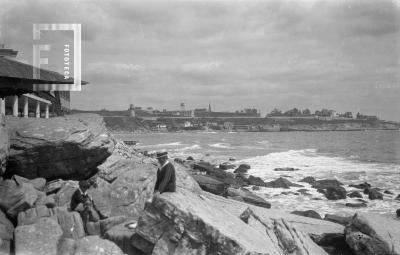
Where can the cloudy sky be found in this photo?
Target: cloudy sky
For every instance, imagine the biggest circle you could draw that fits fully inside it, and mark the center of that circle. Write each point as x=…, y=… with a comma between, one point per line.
x=342, y=55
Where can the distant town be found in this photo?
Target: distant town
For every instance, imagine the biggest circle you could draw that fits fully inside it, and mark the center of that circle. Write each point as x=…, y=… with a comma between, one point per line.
x=139, y=119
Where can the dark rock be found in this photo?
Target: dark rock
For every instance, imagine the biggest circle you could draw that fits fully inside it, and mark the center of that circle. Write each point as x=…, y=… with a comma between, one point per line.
x=308, y=179
x=342, y=220
x=255, y=188
x=398, y=197
x=373, y=194
x=324, y=184
x=210, y=184
x=286, y=169
x=356, y=205
x=121, y=235
x=398, y=212
x=334, y=192
x=252, y=180
x=249, y=197
x=78, y=144
x=204, y=167
x=242, y=169
x=333, y=243
x=281, y=183
x=361, y=186
x=308, y=213
x=226, y=166
x=232, y=159
x=354, y=194
x=388, y=192
x=179, y=160
x=190, y=158
x=373, y=234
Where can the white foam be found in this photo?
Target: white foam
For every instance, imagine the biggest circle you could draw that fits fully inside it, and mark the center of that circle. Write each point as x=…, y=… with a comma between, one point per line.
x=163, y=145
x=188, y=148
x=320, y=166
x=221, y=145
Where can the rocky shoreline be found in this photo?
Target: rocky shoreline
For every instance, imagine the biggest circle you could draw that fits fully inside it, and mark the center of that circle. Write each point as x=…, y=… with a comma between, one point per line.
x=214, y=210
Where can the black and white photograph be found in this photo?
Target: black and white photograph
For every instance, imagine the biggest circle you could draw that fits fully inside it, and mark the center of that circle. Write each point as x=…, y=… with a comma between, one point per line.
x=200, y=127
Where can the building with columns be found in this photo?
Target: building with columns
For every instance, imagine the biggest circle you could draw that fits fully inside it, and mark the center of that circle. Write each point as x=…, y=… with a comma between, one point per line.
x=17, y=96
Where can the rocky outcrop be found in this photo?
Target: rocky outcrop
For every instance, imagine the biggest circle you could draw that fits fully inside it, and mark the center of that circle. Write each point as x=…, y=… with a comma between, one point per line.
x=202, y=223
x=242, y=169
x=308, y=179
x=286, y=169
x=121, y=235
x=354, y=194
x=15, y=198
x=6, y=234
x=44, y=241
x=89, y=245
x=78, y=144
x=4, y=145
x=331, y=188
x=70, y=222
x=373, y=234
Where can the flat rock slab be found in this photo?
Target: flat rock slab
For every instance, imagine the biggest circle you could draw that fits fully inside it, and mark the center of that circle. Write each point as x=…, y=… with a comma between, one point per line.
x=39, y=238
x=373, y=234
x=78, y=144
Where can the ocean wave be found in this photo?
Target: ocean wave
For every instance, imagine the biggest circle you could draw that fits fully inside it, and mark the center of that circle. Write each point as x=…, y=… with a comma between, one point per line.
x=311, y=163
x=221, y=145
x=163, y=145
x=263, y=142
x=188, y=148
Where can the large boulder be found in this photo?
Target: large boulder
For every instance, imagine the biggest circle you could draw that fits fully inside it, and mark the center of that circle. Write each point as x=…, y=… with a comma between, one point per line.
x=284, y=236
x=89, y=245
x=309, y=179
x=123, y=186
x=373, y=234
x=203, y=223
x=94, y=245
x=253, y=180
x=78, y=144
x=342, y=220
x=4, y=145
x=210, y=184
x=70, y=222
x=6, y=234
x=15, y=198
x=281, y=183
x=41, y=237
x=242, y=169
x=248, y=197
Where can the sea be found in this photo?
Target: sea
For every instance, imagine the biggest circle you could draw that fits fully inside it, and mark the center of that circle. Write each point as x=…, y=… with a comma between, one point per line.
x=352, y=157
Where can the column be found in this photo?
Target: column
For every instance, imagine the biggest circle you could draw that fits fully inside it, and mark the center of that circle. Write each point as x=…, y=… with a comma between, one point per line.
x=26, y=107
x=15, y=105
x=3, y=106
x=37, y=109
x=47, y=111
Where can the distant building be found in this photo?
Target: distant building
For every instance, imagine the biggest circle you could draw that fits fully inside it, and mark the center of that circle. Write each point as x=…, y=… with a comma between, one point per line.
x=17, y=96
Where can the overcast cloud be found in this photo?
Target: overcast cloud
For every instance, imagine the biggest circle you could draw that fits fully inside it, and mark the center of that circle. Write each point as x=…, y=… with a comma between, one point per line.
x=342, y=55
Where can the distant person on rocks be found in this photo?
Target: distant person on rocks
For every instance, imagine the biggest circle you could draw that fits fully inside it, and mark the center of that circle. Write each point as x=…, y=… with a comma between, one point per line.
x=82, y=202
x=165, y=175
